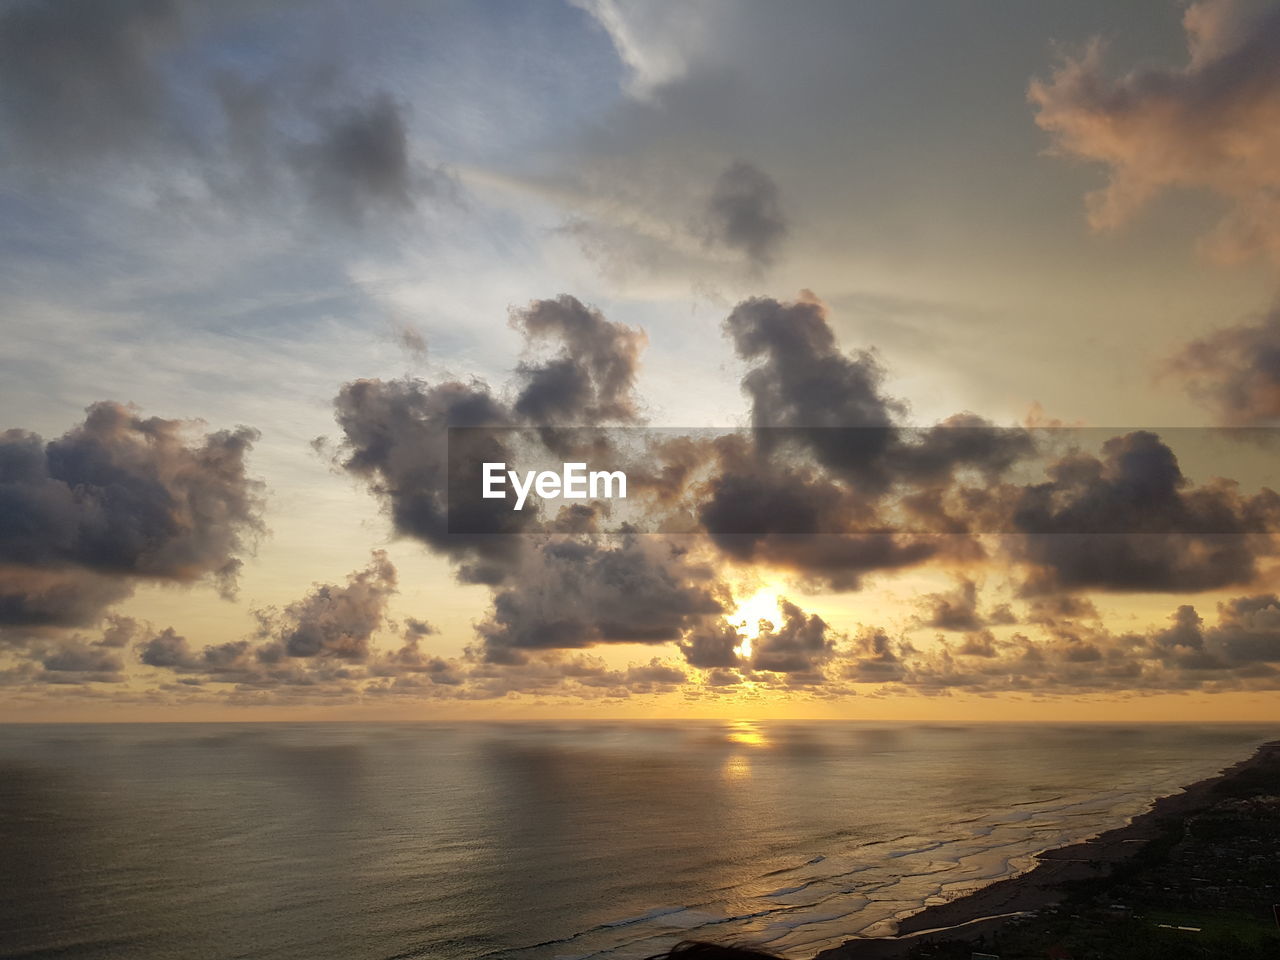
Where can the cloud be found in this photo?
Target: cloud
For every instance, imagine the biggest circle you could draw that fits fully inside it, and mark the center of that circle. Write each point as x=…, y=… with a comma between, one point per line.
x=714, y=643
x=957, y=610
x=396, y=433
x=335, y=621
x=78, y=657
x=1248, y=630
x=117, y=500
x=80, y=76
x=167, y=649
x=800, y=644
x=83, y=84
x=875, y=658
x=1130, y=521
x=744, y=213
x=395, y=439
x=809, y=488
x=802, y=493
x=574, y=593
x=804, y=386
x=591, y=379
x=1235, y=372
x=656, y=40
x=321, y=640
x=704, y=226
x=801, y=377
x=359, y=164
x=1236, y=653
x=1207, y=125
x=65, y=659
x=32, y=597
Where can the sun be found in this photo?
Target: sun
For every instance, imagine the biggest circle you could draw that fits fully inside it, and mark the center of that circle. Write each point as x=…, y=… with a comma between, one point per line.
x=746, y=617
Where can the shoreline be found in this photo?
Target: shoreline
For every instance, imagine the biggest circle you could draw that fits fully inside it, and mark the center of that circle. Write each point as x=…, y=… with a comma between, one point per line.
x=984, y=911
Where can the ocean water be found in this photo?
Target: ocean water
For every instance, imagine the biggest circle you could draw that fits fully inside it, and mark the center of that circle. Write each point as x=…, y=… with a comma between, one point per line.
x=539, y=841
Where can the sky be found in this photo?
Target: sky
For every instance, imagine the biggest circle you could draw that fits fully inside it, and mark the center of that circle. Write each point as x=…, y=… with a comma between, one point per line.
x=258, y=258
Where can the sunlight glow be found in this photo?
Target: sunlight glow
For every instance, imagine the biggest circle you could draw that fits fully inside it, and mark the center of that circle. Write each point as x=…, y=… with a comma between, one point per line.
x=761, y=605
x=746, y=732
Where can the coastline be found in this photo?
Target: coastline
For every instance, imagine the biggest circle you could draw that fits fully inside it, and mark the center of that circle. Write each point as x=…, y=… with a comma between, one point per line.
x=986, y=910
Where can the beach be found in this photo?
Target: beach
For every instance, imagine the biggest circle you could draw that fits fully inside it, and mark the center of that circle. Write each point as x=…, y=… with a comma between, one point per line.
x=1060, y=872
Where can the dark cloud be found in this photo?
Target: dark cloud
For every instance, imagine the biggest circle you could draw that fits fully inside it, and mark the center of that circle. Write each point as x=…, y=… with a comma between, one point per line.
x=808, y=488
x=801, y=379
x=806, y=392
x=120, y=631
x=32, y=597
x=1129, y=520
x=744, y=213
x=957, y=610
x=800, y=644
x=1235, y=372
x=1236, y=653
x=360, y=162
x=573, y=593
x=337, y=621
x=874, y=658
x=42, y=656
x=82, y=82
x=75, y=656
x=168, y=649
x=712, y=644
x=395, y=436
x=83, y=76
x=1248, y=630
x=981, y=643
x=322, y=640
x=590, y=379
x=1205, y=125
x=115, y=500
x=396, y=433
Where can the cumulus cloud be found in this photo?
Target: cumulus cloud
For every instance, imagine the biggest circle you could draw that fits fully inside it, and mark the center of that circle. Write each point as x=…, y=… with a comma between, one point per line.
x=395, y=439
x=334, y=621
x=1206, y=125
x=573, y=593
x=117, y=500
x=805, y=494
x=322, y=640
x=801, y=380
x=65, y=658
x=324, y=646
x=1237, y=653
x=590, y=379
x=579, y=368
x=1235, y=372
x=956, y=610
x=828, y=455
x=1131, y=521
x=714, y=643
x=800, y=644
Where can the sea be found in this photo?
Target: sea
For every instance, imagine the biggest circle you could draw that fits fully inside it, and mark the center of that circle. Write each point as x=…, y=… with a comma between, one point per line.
x=541, y=840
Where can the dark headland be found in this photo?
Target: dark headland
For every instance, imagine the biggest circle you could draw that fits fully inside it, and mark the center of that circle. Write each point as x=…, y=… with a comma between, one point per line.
x=1197, y=875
